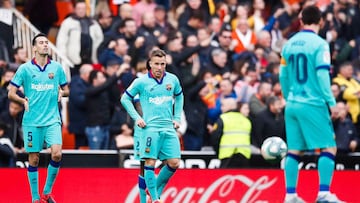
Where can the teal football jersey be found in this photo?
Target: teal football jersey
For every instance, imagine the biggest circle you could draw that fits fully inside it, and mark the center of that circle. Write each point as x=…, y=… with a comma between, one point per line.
x=41, y=87
x=156, y=99
x=302, y=57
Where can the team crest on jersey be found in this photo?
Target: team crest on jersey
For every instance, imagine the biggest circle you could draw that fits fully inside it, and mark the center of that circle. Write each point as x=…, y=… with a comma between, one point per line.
x=51, y=75
x=168, y=87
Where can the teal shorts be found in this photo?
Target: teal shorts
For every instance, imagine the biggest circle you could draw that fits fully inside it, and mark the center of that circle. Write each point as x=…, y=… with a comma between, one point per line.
x=34, y=137
x=308, y=127
x=160, y=144
x=137, y=141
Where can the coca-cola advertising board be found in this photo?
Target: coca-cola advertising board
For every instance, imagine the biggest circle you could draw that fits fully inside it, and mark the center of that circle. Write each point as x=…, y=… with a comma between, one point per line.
x=186, y=186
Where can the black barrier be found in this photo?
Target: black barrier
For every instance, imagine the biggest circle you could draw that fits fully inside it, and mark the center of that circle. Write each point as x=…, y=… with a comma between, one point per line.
x=189, y=159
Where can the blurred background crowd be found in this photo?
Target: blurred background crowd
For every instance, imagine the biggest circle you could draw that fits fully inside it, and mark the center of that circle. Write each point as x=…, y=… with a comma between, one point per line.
x=226, y=54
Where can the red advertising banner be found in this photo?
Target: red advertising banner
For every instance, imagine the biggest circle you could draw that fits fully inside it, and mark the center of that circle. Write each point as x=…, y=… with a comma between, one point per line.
x=186, y=186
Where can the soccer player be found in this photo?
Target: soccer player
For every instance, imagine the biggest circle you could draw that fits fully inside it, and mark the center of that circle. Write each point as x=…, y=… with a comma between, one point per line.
x=305, y=81
x=44, y=83
x=162, y=102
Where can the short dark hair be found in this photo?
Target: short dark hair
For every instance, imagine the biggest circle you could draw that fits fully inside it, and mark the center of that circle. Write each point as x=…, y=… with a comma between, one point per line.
x=36, y=36
x=93, y=75
x=311, y=15
x=158, y=53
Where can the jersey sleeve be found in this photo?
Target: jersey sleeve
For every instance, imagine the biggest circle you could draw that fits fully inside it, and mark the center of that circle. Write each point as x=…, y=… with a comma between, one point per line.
x=62, y=76
x=322, y=57
x=128, y=97
x=283, y=77
x=179, y=100
x=18, y=79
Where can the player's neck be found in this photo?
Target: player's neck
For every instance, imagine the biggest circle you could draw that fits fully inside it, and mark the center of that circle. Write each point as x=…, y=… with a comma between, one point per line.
x=312, y=27
x=41, y=60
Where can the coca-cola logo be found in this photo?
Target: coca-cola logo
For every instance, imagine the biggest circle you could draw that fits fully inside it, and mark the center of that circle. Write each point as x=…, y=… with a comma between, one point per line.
x=225, y=189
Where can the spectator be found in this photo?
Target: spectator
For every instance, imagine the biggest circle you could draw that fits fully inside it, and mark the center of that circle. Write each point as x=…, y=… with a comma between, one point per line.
x=117, y=50
x=257, y=102
x=77, y=109
x=268, y=122
x=225, y=91
x=125, y=11
x=153, y=35
x=12, y=117
x=196, y=20
x=105, y=20
x=248, y=85
x=162, y=21
x=20, y=57
x=79, y=37
x=142, y=7
x=241, y=13
x=243, y=38
x=98, y=109
x=4, y=83
x=231, y=136
x=223, y=42
x=42, y=14
x=350, y=89
x=7, y=33
x=256, y=20
x=218, y=62
x=196, y=116
x=7, y=151
x=347, y=138
x=192, y=7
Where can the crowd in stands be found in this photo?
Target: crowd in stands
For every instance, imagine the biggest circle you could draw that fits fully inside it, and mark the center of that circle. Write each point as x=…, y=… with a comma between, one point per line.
x=218, y=48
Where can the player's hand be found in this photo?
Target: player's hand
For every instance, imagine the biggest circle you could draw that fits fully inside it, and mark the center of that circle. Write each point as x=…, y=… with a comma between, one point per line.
x=26, y=104
x=176, y=124
x=141, y=123
x=60, y=95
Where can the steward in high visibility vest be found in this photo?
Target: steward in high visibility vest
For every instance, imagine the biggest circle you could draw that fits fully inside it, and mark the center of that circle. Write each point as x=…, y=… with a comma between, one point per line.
x=232, y=136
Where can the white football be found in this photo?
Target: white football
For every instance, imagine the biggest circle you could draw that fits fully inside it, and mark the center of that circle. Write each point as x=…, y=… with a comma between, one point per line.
x=273, y=149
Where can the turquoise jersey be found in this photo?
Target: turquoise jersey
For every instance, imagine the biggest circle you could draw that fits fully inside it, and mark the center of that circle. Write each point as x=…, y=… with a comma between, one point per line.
x=304, y=72
x=157, y=100
x=41, y=87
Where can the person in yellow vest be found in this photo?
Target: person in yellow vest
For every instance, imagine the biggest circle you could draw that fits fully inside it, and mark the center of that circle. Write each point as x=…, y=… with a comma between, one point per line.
x=231, y=136
x=350, y=89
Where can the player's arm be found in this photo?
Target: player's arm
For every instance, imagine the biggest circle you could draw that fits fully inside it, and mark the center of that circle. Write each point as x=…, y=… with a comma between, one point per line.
x=15, y=97
x=64, y=90
x=179, y=102
x=323, y=75
x=127, y=100
x=283, y=78
x=324, y=84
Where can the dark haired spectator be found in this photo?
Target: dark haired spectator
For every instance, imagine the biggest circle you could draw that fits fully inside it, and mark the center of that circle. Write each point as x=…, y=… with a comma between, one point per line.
x=77, y=108
x=105, y=20
x=7, y=151
x=195, y=21
x=346, y=134
x=194, y=8
x=98, y=107
x=20, y=57
x=79, y=37
x=257, y=101
x=268, y=122
x=12, y=117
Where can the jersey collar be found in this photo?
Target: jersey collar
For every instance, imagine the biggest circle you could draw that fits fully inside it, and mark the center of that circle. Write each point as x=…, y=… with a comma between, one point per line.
x=307, y=30
x=152, y=76
x=33, y=61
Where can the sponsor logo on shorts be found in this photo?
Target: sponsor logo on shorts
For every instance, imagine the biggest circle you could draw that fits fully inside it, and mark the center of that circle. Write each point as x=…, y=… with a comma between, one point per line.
x=30, y=144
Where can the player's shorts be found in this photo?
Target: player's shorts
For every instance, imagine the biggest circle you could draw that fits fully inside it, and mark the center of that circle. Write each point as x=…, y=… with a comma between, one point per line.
x=308, y=127
x=137, y=141
x=34, y=137
x=160, y=144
